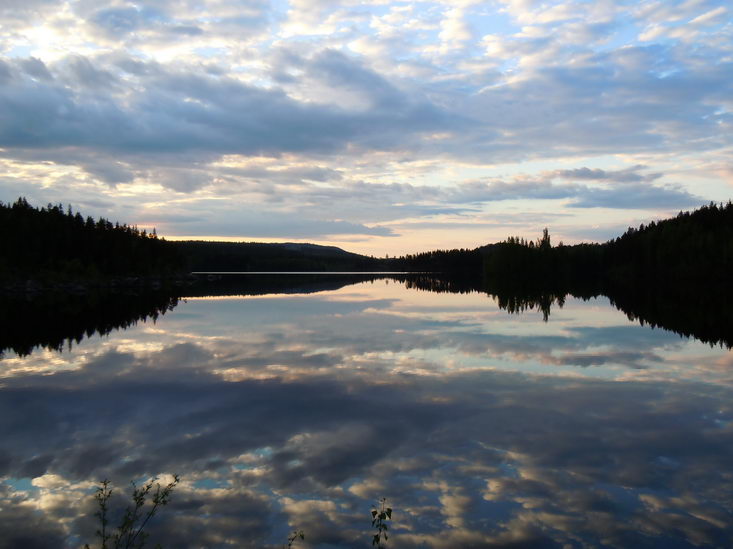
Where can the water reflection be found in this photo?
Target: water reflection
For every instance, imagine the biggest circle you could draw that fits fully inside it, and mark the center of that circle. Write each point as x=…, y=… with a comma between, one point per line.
x=284, y=411
x=56, y=321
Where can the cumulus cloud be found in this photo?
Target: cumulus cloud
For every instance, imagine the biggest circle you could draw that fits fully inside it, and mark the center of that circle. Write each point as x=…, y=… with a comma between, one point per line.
x=429, y=94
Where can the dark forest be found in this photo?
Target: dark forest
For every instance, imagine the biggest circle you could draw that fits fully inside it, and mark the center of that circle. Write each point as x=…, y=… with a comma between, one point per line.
x=53, y=243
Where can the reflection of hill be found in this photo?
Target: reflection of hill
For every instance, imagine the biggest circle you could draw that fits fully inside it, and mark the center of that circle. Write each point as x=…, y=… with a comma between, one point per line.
x=57, y=320
x=261, y=284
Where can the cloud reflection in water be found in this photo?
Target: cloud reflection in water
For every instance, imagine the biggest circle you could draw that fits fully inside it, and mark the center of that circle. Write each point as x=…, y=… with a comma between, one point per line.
x=482, y=429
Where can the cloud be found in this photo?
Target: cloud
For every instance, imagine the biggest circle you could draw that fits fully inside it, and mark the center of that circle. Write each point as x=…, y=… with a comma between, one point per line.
x=117, y=22
x=257, y=224
x=638, y=197
x=195, y=112
x=128, y=101
x=35, y=68
x=635, y=193
x=627, y=175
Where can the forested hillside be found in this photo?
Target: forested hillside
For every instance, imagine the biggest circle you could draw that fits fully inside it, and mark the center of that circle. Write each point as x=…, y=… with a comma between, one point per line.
x=52, y=244
x=693, y=247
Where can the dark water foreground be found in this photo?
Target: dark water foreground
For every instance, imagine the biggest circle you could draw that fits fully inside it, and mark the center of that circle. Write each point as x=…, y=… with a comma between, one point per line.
x=487, y=420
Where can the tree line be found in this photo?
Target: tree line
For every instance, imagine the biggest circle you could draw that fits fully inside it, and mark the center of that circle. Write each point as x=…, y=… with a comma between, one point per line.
x=53, y=243
x=691, y=248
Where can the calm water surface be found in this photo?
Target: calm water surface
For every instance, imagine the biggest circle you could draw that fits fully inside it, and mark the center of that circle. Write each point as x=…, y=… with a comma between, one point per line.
x=299, y=411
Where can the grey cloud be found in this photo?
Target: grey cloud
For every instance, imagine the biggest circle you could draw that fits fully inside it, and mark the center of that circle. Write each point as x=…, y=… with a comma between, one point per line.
x=283, y=175
x=199, y=117
x=630, y=195
x=5, y=72
x=132, y=65
x=22, y=526
x=36, y=68
x=278, y=225
x=627, y=175
x=637, y=197
x=118, y=21
x=371, y=202
x=629, y=359
x=82, y=72
x=602, y=106
x=186, y=30
x=182, y=179
x=338, y=71
x=193, y=112
x=261, y=220
x=19, y=12
x=108, y=170
x=497, y=190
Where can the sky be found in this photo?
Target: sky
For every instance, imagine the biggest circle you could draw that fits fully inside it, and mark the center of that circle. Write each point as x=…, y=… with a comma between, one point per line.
x=383, y=127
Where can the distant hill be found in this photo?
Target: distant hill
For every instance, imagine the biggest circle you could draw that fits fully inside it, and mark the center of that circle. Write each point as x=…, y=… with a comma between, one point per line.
x=254, y=256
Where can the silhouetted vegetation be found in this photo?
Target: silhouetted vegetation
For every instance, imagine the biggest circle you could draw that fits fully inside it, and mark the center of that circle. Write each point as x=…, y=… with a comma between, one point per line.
x=512, y=298
x=51, y=244
x=58, y=320
x=130, y=533
x=694, y=246
x=296, y=535
x=705, y=313
x=148, y=499
x=380, y=515
x=460, y=262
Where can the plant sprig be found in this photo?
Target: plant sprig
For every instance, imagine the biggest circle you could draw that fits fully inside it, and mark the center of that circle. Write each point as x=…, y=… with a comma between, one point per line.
x=380, y=515
x=130, y=534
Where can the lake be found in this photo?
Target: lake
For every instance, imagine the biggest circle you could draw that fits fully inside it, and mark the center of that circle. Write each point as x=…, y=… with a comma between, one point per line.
x=299, y=406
